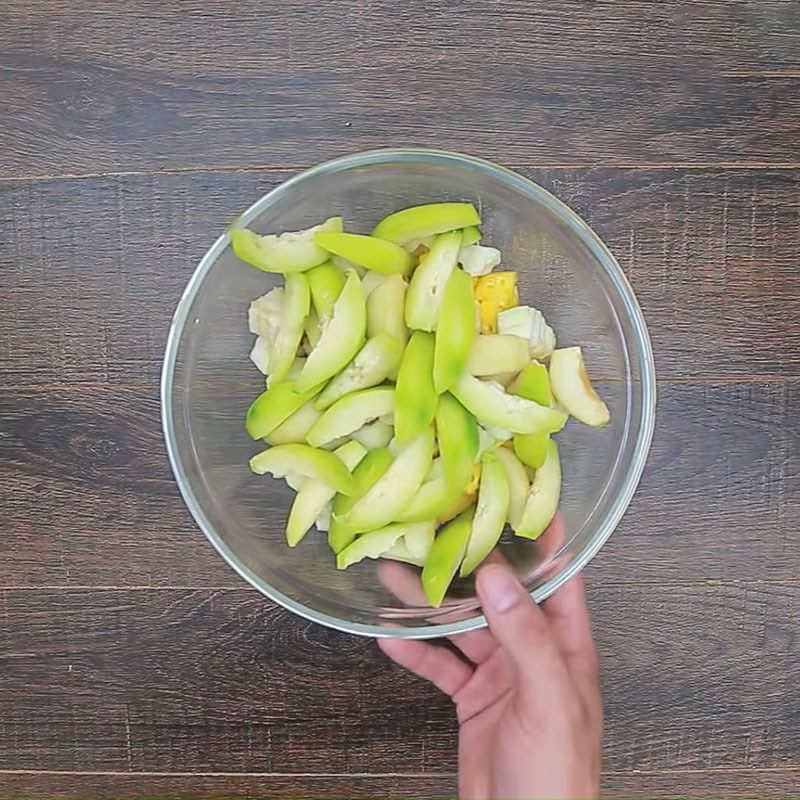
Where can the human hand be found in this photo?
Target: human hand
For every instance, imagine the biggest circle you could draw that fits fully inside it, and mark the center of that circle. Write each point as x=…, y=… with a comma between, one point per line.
x=529, y=709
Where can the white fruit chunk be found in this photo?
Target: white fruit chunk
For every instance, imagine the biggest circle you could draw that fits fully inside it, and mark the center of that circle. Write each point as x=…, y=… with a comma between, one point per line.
x=478, y=260
x=530, y=324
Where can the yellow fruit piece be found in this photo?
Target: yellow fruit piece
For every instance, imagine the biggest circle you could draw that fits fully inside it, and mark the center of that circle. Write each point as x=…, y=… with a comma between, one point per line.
x=466, y=498
x=494, y=293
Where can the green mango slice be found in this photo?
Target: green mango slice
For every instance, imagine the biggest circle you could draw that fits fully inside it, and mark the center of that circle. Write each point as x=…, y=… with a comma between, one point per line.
x=295, y=428
x=371, y=366
x=491, y=404
x=371, y=469
x=459, y=442
x=419, y=222
x=314, y=495
x=300, y=459
x=471, y=235
x=326, y=283
x=426, y=289
x=455, y=331
x=416, y=396
x=375, y=543
x=351, y=413
x=369, y=252
x=496, y=353
x=518, y=485
x=491, y=513
x=445, y=557
x=374, y=435
x=340, y=339
x=293, y=251
x=542, y=501
x=533, y=383
x=274, y=406
x=386, y=499
x=296, y=305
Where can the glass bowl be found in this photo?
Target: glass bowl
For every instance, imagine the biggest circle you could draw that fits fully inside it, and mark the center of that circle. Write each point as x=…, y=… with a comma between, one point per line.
x=208, y=382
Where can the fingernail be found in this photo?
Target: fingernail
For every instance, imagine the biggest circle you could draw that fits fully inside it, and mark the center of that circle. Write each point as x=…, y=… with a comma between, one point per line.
x=500, y=588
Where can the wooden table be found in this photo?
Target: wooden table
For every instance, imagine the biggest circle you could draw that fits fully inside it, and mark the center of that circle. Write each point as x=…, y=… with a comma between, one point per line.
x=133, y=662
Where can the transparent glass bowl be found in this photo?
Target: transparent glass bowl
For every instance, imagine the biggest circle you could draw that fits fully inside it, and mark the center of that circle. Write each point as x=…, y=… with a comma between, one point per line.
x=208, y=382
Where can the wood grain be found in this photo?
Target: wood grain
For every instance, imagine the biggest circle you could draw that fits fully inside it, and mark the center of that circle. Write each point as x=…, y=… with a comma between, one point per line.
x=707, y=784
x=94, y=268
x=223, y=681
x=90, y=499
x=87, y=88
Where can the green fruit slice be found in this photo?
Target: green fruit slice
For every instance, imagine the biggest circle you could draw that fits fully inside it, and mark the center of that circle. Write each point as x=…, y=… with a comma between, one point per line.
x=518, y=485
x=374, y=544
x=371, y=469
x=455, y=331
x=470, y=235
x=300, y=459
x=419, y=222
x=445, y=557
x=426, y=289
x=367, y=251
x=351, y=413
x=495, y=353
x=296, y=427
x=326, y=283
x=491, y=512
x=543, y=496
x=374, y=435
x=572, y=388
x=341, y=338
x=296, y=305
x=274, y=406
x=371, y=366
x=491, y=404
x=386, y=499
x=314, y=495
x=293, y=251
x=416, y=397
x=457, y=433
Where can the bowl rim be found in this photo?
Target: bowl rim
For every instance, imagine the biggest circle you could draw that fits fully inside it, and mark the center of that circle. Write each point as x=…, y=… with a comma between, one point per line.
x=576, y=225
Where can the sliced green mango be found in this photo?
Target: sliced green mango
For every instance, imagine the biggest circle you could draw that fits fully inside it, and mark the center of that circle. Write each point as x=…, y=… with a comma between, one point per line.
x=431, y=500
x=274, y=406
x=457, y=432
x=491, y=513
x=418, y=222
x=295, y=428
x=386, y=499
x=341, y=338
x=371, y=366
x=371, y=469
x=533, y=383
x=314, y=495
x=385, y=308
x=445, y=557
x=373, y=544
x=518, y=485
x=416, y=396
x=496, y=353
x=542, y=501
x=426, y=289
x=399, y=552
x=313, y=330
x=374, y=435
x=293, y=251
x=325, y=282
x=351, y=413
x=470, y=235
x=455, y=331
x=292, y=375
x=300, y=459
x=297, y=302
x=491, y=404
x=367, y=251
x=418, y=539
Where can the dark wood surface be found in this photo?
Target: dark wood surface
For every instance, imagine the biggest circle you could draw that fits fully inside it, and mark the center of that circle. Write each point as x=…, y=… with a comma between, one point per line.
x=133, y=662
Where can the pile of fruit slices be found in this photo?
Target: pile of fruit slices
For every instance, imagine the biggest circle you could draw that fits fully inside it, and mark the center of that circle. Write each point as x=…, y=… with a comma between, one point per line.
x=407, y=390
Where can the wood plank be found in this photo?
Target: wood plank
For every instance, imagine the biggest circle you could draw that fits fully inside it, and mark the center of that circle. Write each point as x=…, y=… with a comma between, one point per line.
x=701, y=784
x=222, y=681
x=96, y=266
x=86, y=88
x=87, y=488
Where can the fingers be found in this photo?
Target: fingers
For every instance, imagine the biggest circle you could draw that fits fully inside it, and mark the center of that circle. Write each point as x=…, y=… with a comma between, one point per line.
x=443, y=669
x=522, y=630
x=569, y=621
x=477, y=646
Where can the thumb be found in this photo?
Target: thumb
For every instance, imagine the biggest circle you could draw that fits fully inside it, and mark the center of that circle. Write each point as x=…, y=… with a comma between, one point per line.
x=521, y=629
